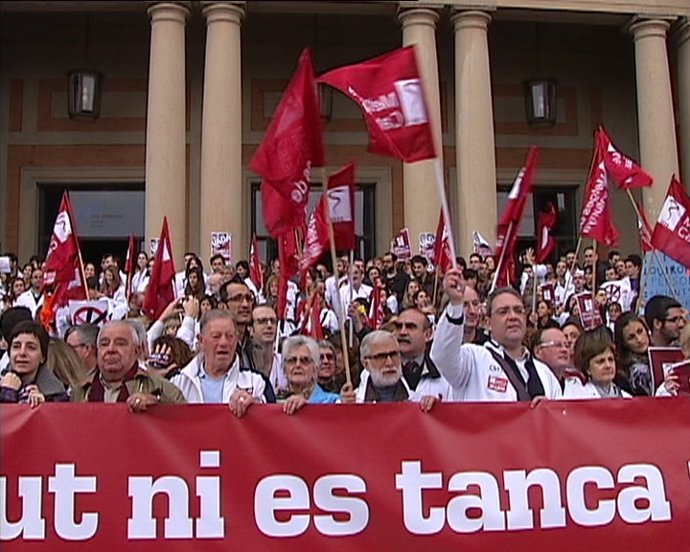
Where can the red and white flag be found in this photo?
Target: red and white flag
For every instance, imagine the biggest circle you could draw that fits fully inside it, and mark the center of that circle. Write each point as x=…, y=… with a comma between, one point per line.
x=377, y=313
x=340, y=195
x=256, y=270
x=625, y=172
x=645, y=230
x=546, y=243
x=131, y=261
x=62, y=268
x=293, y=144
x=595, y=220
x=389, y=90
x=509, y=223
x=443, y=258
x=672, y=231
x=160, y=291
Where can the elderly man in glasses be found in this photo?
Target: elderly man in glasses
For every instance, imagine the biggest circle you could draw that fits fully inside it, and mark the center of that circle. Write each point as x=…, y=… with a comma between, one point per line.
x=552, y=348
x=500, y=370
x=382, y=379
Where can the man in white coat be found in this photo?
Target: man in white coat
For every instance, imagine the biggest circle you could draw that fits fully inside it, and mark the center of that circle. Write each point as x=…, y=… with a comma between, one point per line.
x=214, y=375
x=500, y=370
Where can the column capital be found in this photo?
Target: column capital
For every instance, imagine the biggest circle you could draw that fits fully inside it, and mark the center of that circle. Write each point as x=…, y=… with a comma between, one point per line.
x=470, y=19
x=223, y=11
x=169, y=11
x=644, y=27
x=682, y=31
x=415, y=13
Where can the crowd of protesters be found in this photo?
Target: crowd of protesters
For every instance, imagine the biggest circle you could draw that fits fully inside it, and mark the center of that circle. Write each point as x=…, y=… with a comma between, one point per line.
x=378, y=330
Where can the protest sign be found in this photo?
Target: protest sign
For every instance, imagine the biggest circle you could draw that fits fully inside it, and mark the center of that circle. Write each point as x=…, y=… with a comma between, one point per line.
x=221, y=244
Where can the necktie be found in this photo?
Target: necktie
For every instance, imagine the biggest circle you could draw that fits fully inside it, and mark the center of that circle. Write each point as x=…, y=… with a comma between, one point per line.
x=412, y=372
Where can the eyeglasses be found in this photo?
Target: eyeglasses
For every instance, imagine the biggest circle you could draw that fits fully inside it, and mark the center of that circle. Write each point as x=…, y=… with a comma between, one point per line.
x=265, y=321
x=327, y=356
x=291, y=361
x=248, y=297
x=558, y=344
x=504, y=311
x=674, y=319
x=381, y=357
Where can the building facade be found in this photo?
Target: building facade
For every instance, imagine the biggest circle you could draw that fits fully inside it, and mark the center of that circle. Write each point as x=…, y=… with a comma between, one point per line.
x=189, y=89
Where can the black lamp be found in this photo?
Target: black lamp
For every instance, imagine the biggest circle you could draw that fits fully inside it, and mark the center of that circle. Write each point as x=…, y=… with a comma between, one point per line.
x=84, y=94
x=540, y=102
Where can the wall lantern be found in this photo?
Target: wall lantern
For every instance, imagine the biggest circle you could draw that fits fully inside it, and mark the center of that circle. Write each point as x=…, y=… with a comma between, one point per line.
x=84, y=92
x=540, y=102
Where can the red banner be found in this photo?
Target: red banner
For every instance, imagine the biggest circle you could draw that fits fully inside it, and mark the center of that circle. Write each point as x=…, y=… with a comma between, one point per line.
x=568, y=476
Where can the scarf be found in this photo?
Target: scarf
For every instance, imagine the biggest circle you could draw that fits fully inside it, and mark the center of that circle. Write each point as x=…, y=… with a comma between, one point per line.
x=97, y=391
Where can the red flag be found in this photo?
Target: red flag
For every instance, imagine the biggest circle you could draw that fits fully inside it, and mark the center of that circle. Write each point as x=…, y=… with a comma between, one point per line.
x=311, y=318
x=625, y=172
x=377, y=313
x=509, y=223
x=316, y=241
x=672, y=231
x=545, y=241
x=292, y=145
x=256, y=271
x=389, y=90
x=442, y=256
x=62, y=267
x=645, y=230
x=160, y=292
x=131, y=261
x=288, y=254
x=595, y=219
x=341, y=203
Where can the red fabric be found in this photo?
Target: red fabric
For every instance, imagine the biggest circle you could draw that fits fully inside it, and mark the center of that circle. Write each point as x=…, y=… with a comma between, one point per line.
x=595, y=220
x=341, y=201
x=280, y=214
x=377, y=314
x=672, y=231
x=292, y=145
x=62, y=267
x=442, y=255
x=316, y=240
x=588, y=465
x=288, y=254
x=645, y=230
x=546, y=243
x=509, y=222
x=160, y=292
x=256, y=270
x=131, y=260
x=625, y=172
x=389, y=90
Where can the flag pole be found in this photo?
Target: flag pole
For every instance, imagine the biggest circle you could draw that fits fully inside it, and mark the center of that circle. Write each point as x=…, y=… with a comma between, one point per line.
x=654, y=255
x=594, y=268
x=501, y=259
x=441, y=187
x=341, y=318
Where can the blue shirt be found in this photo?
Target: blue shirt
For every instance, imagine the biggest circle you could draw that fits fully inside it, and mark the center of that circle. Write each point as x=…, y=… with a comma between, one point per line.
x=319, y=396
x=211, y=388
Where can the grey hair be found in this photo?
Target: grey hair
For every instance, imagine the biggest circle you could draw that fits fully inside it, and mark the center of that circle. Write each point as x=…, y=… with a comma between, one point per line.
x=214, y=314
x=325, y=344
x=295, y=341
x=88, y=333
x=132, y=328
x=372, y=338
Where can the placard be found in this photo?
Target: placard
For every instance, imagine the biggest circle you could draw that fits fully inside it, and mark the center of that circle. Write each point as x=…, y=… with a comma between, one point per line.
x=661, y=361
x=656, y=284
x=221, y=244
x=589, y=311
x=400, y=246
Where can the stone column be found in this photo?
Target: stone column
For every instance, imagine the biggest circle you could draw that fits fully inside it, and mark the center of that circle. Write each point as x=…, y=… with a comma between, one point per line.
x=166, y=174
x=683, y=45
x=421, y=200
x=222, y=197
x=475, y=155
x=658, y=146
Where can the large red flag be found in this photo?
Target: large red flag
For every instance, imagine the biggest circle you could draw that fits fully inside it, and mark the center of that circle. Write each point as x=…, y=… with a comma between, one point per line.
x=160, y=292
x=625, y=172
x=672, y=231
x=546, y=243
x=316, y=240
x=509, y=223
x=389, y=90
x=62, y=267
x=256, y=271
x=292, y=145
x=595, y=220
x=645, y=230
x=442, y=256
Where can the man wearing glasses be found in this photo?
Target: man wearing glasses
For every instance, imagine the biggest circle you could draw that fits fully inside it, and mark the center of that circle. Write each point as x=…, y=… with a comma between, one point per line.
x=665, y=318
x=382, y=379
x=500, y=370
x=553, y=350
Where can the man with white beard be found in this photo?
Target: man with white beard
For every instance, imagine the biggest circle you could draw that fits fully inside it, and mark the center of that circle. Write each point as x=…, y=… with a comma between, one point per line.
x=382, y=379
